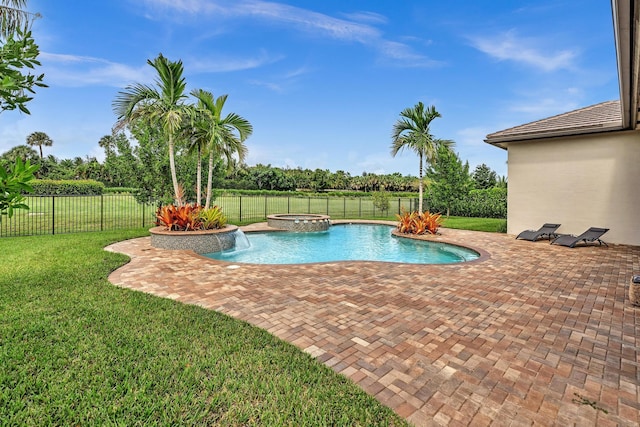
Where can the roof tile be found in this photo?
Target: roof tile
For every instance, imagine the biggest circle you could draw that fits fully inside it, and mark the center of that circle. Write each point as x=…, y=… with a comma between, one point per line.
x=595, y=118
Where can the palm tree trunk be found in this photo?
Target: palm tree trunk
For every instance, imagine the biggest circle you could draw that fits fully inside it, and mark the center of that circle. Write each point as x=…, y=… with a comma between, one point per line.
x=174, y=177
x=209, y=181
x=199, y=178
x=420, y=187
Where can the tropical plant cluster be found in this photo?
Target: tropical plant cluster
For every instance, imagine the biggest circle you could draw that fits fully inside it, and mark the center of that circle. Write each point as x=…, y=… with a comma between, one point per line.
x=417, y=222
x=14, y=183
x=199, y=128
x=189, y=217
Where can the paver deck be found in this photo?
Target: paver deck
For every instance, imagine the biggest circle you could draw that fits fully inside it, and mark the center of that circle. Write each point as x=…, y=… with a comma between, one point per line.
x=531, y=334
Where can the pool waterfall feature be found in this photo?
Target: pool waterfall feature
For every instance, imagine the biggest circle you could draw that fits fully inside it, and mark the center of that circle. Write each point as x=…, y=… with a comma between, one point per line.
x=299, y=222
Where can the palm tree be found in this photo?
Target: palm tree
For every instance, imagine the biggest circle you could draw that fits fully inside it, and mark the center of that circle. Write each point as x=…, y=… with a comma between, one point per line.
x=39, y=139
x=163, y=103
x=224, y=136
x=21, y=152
x=196, y=144
x=412, y=132
x=13, y=16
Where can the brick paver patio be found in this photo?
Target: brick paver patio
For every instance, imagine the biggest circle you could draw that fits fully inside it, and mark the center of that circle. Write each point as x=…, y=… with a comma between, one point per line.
x=531, y=334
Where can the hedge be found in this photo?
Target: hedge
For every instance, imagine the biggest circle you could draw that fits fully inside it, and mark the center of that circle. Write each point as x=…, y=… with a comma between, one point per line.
x=328, y=193
x=49, y=187
x=129, y=190
x=488, y=203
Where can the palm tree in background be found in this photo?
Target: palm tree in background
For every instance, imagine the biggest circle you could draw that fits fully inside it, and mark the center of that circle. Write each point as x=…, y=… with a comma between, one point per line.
x=220, y=136
x=39, y=139
x=163, y=103
x=412, y=132
x=13, y=16
x=21, y=152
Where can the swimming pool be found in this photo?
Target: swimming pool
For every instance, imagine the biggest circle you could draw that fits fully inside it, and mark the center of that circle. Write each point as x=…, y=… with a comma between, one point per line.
x=344, y=242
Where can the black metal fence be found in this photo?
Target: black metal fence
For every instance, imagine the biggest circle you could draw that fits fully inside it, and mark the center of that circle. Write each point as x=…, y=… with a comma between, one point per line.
x=75, y=214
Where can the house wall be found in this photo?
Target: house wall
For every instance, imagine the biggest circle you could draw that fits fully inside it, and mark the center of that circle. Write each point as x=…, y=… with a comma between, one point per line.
x=579, y=182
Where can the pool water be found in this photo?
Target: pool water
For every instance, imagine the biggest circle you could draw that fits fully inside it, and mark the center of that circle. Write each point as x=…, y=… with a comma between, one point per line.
x=346, y=242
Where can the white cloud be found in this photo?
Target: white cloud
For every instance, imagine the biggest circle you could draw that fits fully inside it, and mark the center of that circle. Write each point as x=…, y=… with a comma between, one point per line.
x=535, y=52
x=77, y=71
x=281, y=83
x=544, y=107
x=357, y=28
x=403, y=55
x=272, y=86
x=219, y=65
x=370, y=17
x=472, y=136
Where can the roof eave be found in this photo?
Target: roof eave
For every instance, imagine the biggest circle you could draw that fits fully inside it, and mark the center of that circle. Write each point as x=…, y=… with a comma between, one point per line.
x=503, y=141
x=625, y=28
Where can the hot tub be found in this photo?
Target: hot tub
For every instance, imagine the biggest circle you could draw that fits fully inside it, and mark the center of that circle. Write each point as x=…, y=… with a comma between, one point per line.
x=299, y=222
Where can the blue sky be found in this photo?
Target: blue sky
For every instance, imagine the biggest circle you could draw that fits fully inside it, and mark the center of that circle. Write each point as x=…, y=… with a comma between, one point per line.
x=323, y=82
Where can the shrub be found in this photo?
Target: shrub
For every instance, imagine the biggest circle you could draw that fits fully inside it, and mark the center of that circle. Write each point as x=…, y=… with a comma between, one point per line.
x=419, y=222
x=49, y=187
x=212, y=218
x=190, y=217
x=130, y=190
x=488, y=203
x=381, y=200
x=179, y=218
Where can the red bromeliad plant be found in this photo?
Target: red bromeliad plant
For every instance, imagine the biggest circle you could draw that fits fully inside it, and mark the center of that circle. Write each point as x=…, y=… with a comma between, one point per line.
x=419, y=223
x=190, y=217
x=179, y=218
x=406, y=221
x=432, y=221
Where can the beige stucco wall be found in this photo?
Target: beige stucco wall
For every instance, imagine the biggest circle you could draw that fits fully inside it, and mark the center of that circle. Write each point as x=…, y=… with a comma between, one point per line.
x=578, y=182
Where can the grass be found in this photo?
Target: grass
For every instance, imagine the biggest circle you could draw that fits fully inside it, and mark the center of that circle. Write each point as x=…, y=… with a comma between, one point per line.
x=76, y=350
x=121, y=211
x=476, y=224
x=73, y=214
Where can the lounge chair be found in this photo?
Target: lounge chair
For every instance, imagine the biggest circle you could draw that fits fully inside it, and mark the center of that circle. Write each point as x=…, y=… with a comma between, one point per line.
x=593, y=234
x=547, y=231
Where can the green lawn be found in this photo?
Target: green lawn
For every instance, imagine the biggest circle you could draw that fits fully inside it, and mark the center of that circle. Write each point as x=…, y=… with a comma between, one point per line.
x=476, y=224
x=76, y=350
x=121, y=211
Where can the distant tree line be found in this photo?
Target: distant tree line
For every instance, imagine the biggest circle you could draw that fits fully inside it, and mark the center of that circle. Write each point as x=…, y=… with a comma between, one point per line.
x=144, y=166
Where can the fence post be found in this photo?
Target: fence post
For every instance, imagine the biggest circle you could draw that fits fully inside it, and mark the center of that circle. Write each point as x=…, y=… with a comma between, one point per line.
x=53, y=215
x=240, y=208
x=101, y=212
x=327, y=206
x=399, y=205
x=265, y=206
x=359, y=207
x=344, y=207
x=309, y=205
x=143, y=213
x=288, y=204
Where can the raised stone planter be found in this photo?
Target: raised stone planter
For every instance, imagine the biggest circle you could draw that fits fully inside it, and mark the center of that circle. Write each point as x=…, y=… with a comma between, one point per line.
x=201, y=241
x=299, y=222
